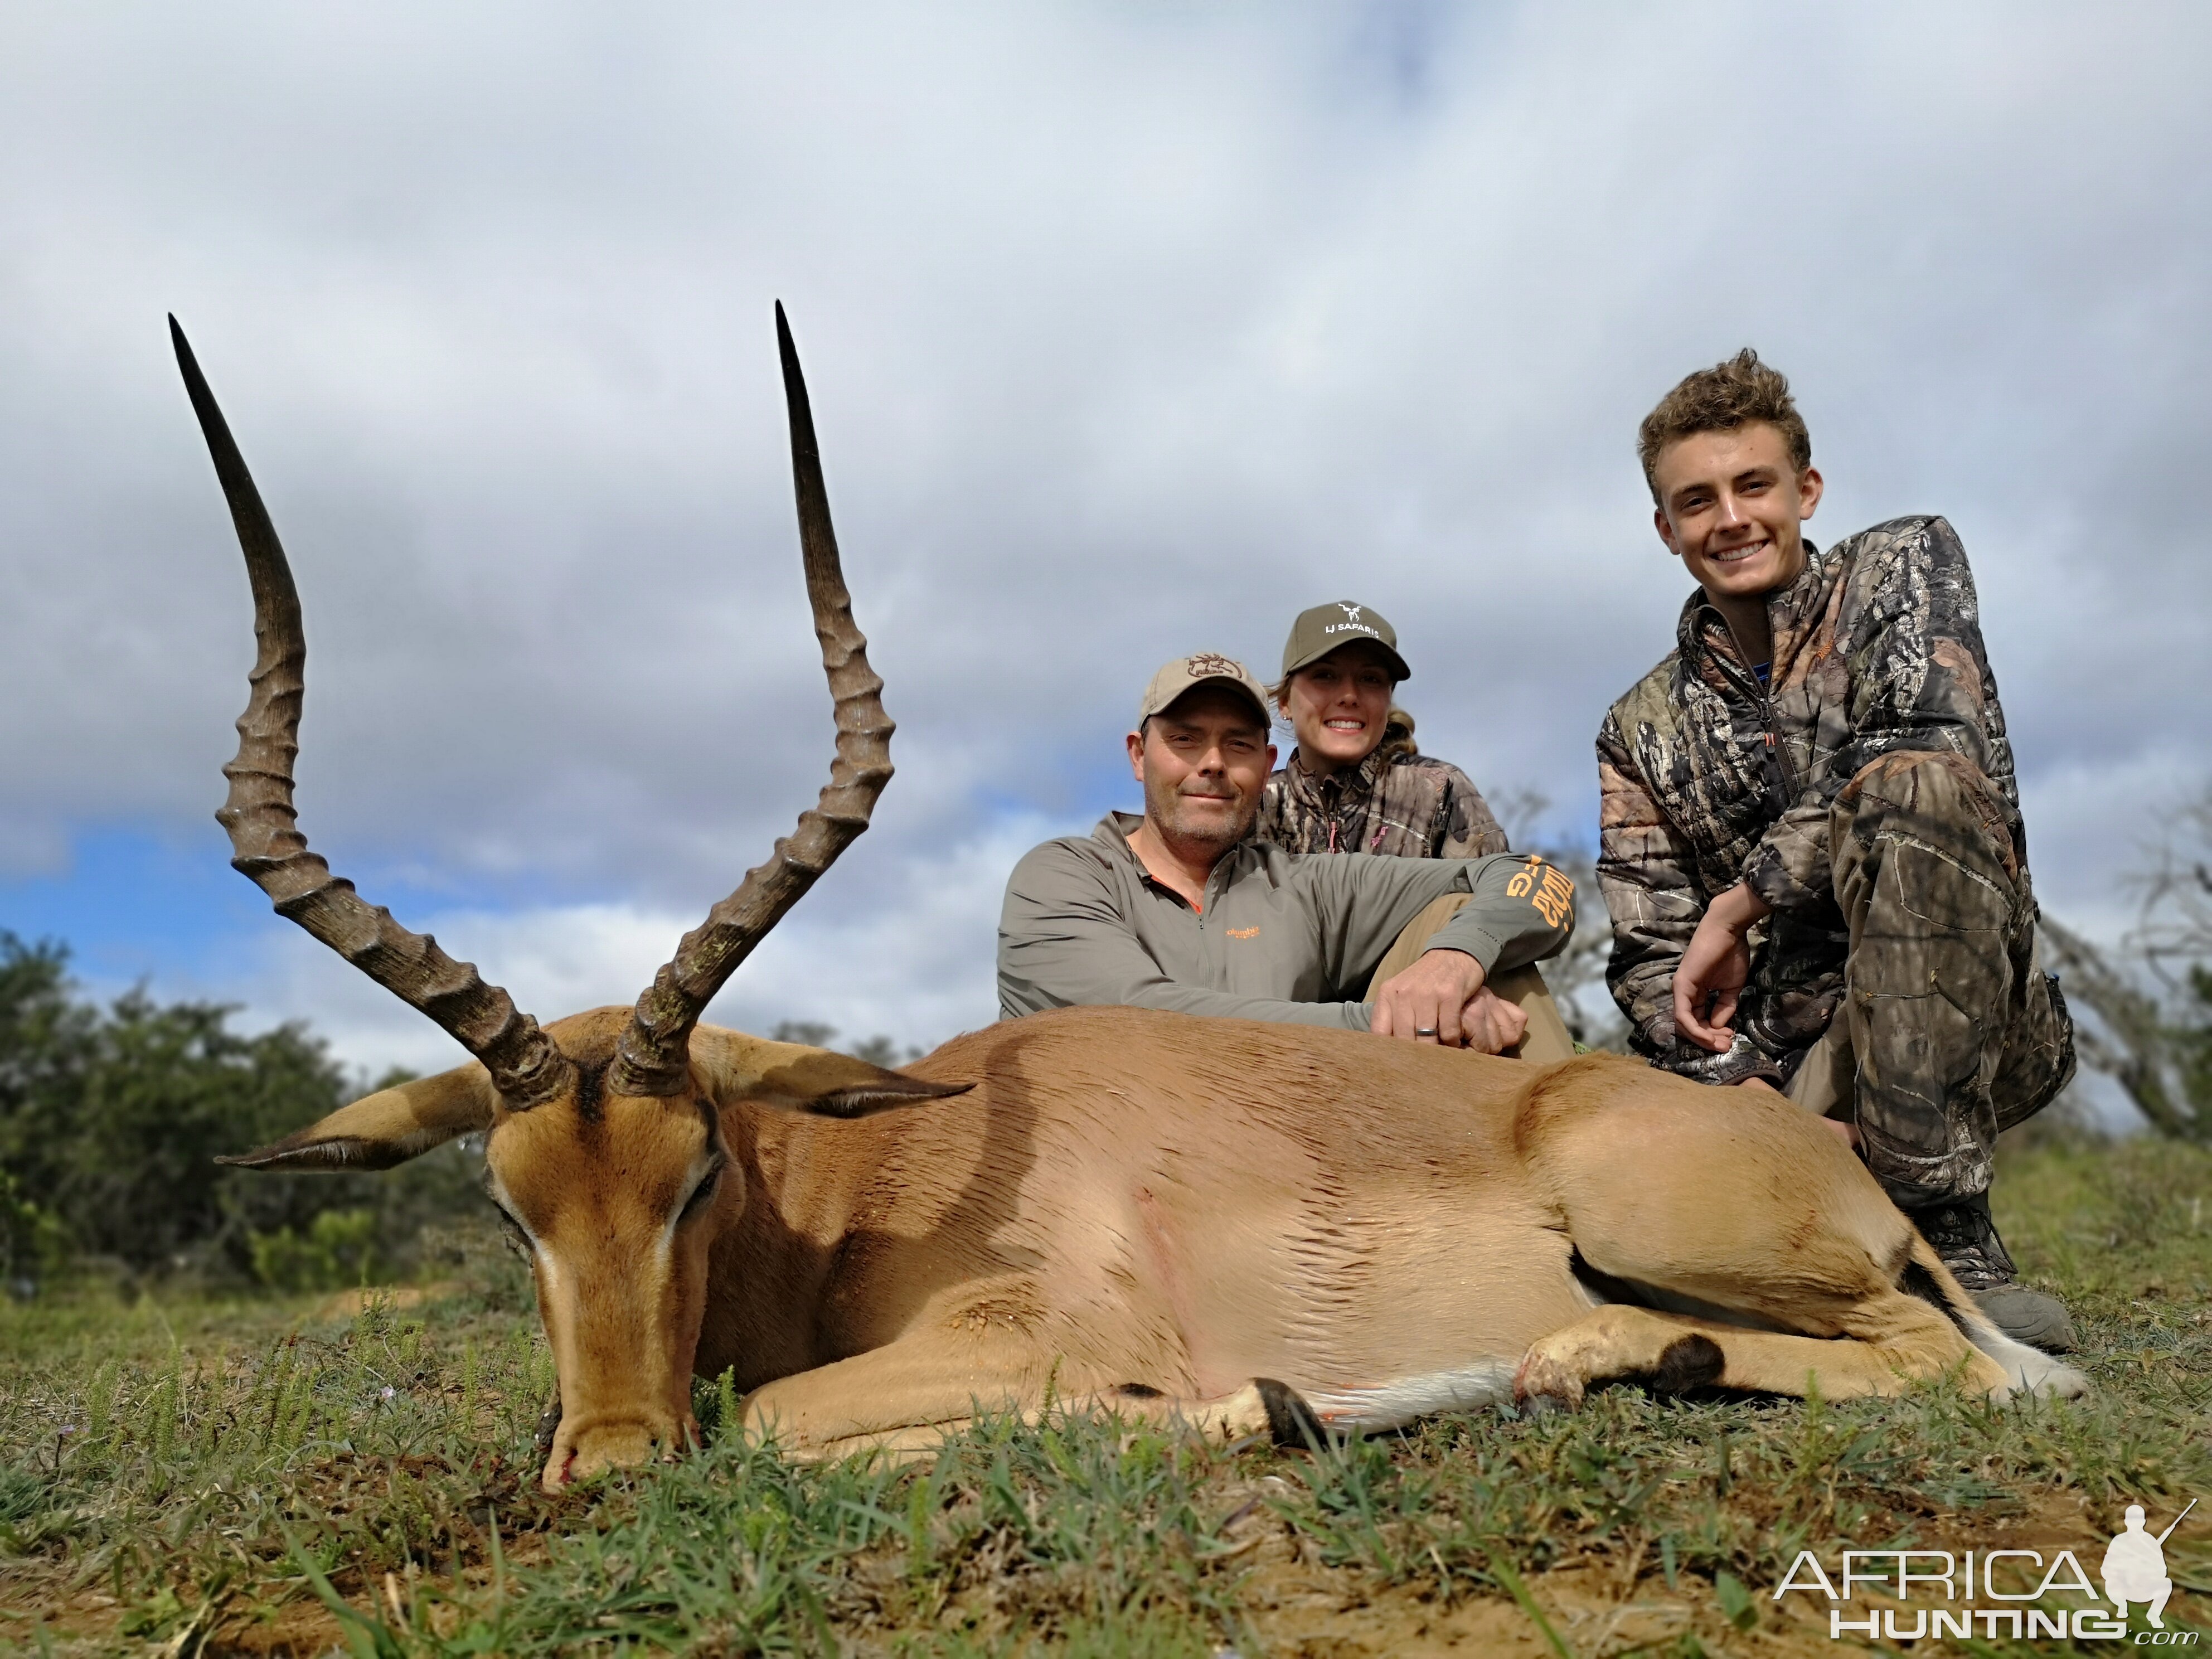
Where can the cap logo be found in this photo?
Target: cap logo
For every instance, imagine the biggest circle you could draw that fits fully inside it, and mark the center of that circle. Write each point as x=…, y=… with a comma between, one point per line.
x=1206, y=665
x=1352, y=623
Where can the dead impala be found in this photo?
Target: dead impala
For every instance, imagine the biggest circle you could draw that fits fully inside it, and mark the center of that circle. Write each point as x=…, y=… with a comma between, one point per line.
x=1229, y=1223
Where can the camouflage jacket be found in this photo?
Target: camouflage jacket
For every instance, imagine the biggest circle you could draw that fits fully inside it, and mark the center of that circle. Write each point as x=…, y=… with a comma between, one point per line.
x=1403, y=806
x=1708, y=779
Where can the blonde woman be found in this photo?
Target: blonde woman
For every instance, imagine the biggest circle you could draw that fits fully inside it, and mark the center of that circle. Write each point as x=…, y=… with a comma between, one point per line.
x=1355, y=783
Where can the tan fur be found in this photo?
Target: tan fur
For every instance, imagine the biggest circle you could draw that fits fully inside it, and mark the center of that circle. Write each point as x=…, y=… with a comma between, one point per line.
x=1133, y=1198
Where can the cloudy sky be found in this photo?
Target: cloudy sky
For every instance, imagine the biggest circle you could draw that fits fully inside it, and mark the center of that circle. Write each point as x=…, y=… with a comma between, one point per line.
x=1132, y=330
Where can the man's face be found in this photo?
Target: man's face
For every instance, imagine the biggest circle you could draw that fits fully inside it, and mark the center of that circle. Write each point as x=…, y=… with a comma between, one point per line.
x=1729, y=505
x=1204, y=761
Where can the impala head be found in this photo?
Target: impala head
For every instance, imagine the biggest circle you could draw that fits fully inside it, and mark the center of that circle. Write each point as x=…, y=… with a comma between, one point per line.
x=604, y=1146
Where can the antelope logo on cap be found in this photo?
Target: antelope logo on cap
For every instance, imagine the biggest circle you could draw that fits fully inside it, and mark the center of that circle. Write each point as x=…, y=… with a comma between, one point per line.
x=1207, y=665
x=1351, y=610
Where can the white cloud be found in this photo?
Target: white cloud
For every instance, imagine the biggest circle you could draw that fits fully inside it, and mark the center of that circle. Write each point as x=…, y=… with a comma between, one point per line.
x=916, y=967
x=1128, y=328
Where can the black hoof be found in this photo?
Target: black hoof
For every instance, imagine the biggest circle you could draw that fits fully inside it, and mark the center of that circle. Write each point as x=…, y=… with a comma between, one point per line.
x=1689, y=1362
x=1290, y=1421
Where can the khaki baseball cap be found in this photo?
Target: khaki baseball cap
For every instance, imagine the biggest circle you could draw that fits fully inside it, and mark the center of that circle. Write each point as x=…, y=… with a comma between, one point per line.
x=1321, y=630
x=1206, y=667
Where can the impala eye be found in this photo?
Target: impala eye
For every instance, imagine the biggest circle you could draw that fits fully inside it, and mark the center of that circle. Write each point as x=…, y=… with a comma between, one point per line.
x=702, y=1195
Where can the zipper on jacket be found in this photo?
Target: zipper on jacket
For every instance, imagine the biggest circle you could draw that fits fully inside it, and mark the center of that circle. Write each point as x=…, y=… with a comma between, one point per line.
x=1778, y=770
x=1775, y=755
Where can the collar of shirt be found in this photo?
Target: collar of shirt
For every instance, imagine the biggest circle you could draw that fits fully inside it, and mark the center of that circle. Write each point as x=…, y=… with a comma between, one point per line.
x=1360, y=780
x=1114, y=830
x=1794, y=613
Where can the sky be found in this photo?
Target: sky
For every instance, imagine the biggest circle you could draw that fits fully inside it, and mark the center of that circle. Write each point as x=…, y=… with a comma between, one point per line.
x=1132, y=330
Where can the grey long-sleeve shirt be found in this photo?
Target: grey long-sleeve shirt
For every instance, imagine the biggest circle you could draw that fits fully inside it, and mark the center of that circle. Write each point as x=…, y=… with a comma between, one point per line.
x=1284, y=936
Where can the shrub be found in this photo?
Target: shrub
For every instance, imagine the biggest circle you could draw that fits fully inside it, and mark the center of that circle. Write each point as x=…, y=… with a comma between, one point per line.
x=113, y=1117
x=339, y=1249
x=34, y=1243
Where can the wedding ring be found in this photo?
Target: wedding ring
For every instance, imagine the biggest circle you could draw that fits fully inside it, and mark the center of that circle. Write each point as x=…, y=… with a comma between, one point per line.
x=1425, y=1030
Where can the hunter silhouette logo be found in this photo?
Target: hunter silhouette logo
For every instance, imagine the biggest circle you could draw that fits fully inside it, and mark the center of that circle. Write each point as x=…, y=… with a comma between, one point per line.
x=2015, y=1593
x=2135, y=1565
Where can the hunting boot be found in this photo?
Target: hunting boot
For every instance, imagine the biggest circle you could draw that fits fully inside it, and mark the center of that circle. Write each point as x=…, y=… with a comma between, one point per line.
x=1965, y=1237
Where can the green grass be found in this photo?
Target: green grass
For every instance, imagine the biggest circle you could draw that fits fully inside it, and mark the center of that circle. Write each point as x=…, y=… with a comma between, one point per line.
x=247, y=1476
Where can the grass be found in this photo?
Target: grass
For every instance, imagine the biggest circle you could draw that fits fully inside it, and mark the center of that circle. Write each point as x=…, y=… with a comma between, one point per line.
x=272, y=1476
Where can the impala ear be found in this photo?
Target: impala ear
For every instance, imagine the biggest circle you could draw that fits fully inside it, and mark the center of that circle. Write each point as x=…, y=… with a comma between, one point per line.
x=385, y=1128
x=793, y=1077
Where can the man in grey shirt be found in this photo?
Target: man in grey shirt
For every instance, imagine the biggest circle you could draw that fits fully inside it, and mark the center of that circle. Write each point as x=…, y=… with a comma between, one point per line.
x=1179, y=909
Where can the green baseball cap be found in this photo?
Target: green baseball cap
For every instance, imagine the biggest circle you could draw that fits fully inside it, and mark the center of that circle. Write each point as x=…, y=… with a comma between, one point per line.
x=1206, y=668
x=1321, y=630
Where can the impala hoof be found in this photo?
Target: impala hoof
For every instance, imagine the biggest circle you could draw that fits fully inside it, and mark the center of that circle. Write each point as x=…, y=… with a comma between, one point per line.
x=1291, y=1423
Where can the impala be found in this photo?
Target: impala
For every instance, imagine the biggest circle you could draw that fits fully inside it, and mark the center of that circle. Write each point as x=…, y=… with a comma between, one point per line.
x=1246, y=1228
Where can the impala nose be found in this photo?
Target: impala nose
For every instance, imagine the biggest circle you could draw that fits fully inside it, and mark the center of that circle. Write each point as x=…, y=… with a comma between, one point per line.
x=582, y=1450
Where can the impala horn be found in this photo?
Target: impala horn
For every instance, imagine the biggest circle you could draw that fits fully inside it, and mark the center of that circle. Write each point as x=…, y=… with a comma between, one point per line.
x=654, y=1055
x=266, y=844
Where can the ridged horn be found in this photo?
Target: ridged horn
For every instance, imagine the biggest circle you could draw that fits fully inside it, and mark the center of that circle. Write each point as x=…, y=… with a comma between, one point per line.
x=266, y=845
x=652, y=1056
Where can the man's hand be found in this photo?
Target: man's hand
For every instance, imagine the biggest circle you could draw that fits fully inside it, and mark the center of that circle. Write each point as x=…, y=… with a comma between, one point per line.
x=1709, y=979
x=1490, y=1025
x=1442, y=998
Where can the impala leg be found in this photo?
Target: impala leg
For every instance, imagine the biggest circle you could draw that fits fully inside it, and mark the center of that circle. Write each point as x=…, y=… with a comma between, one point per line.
x=1731, y=1204
x=904, y=1398
x=900, y=1395
x=1901, y=1340
x=1260, y=1408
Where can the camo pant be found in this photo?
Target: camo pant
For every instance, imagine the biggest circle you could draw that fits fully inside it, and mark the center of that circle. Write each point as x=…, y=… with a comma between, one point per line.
x=1948, y=1031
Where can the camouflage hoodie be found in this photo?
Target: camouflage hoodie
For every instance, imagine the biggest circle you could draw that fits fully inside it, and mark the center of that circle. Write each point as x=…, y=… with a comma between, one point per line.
x=1708, y=779
x=1408, y=806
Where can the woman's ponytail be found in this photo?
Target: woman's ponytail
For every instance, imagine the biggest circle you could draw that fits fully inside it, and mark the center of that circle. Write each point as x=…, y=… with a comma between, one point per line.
x=1397, y=743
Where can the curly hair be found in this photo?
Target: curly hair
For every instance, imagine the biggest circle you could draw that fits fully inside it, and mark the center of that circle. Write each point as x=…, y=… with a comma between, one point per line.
x=1728, y=395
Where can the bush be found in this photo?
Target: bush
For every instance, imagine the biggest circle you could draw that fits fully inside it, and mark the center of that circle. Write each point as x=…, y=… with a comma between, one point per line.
x=339, y=1250
x=113, y=1118
x=34, y=1243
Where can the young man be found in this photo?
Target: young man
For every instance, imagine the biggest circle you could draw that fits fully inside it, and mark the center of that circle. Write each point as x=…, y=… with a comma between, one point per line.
x=1182, y=910
x=1811, y=842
